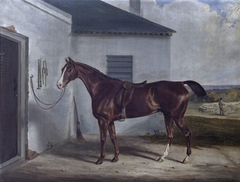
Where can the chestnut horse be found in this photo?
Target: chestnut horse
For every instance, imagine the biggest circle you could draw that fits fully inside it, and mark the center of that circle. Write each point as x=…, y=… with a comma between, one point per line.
x=170, y=98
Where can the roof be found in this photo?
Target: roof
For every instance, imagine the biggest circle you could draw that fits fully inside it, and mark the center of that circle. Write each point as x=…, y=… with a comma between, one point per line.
x=95, y=16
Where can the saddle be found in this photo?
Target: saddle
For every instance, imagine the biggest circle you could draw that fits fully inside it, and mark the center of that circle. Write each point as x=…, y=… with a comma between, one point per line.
x=124, y=96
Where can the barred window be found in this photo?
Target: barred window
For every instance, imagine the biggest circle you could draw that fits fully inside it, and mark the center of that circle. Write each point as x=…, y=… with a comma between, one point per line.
x=120, y=67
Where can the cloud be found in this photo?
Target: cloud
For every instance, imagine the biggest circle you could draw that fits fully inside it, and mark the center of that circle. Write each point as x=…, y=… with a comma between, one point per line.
x=228, y=10
x=161, y=3
x=206, y=45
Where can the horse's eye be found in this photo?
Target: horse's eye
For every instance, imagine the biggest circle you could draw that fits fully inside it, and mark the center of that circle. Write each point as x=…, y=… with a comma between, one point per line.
x=69, y=70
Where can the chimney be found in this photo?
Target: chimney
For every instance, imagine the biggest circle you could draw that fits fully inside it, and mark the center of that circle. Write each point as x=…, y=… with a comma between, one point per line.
x=135, y=7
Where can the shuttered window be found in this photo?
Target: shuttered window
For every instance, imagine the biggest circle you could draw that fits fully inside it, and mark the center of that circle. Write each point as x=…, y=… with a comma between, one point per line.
x=120, y=67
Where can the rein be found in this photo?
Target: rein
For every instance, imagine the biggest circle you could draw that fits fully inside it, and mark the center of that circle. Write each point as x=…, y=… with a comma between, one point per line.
x=38, y=101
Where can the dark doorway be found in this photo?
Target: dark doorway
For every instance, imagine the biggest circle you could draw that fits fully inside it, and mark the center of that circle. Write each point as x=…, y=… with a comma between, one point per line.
x=13, y=98
x=8, y=99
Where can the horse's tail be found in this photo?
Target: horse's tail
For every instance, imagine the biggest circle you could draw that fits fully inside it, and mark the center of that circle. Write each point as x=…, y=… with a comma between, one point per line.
x=196, y=88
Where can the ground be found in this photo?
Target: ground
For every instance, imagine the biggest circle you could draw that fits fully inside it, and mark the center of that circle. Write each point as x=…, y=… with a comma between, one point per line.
x=74, y=161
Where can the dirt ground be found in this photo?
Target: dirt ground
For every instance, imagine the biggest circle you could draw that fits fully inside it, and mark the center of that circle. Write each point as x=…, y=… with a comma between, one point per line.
x=74, y=161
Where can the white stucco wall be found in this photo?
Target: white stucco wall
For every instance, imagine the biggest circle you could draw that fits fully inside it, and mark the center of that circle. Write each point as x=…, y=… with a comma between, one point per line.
x=48, y=31
x=151, y=62
x=206, y=45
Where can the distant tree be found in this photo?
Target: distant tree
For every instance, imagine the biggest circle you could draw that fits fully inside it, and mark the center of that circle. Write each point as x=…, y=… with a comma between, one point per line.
x=238, y=96
x=213, y=97
x=224, y=96
x=232, y=95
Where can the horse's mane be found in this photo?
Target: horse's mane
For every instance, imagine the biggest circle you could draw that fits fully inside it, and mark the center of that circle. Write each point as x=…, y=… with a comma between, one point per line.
x=92, y=69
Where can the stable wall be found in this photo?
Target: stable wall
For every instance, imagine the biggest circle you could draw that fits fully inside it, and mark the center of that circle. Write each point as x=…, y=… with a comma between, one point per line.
x=151, y=62
x=48, y=31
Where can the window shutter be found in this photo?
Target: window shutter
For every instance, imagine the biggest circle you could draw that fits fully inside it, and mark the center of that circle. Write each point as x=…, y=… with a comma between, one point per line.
x=120, y=67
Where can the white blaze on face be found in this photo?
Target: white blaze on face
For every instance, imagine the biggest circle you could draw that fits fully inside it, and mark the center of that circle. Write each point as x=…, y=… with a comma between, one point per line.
x=60, y=81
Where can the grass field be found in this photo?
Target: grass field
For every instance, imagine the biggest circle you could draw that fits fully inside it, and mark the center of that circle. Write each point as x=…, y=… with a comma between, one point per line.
x=206, y=132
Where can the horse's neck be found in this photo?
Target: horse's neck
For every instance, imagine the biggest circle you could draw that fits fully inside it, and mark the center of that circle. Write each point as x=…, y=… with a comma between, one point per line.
x=91, y=79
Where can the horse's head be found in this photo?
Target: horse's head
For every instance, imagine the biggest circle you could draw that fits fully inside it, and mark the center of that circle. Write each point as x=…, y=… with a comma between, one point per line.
x=69, y=73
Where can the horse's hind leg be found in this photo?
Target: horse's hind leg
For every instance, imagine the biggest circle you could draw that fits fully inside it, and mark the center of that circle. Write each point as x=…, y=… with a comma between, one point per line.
x=170, y=134
x=183, y=127
x=113, y=136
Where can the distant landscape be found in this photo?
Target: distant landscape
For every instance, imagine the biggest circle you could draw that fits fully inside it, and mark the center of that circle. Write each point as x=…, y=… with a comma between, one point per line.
x=220, y=87
x=229, y=93
x=208, y=106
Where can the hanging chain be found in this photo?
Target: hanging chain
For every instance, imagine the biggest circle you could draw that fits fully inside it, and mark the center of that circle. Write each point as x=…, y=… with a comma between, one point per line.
x=38, y=101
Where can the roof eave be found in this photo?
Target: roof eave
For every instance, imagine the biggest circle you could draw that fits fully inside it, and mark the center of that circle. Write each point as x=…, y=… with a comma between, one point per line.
x=104, y=32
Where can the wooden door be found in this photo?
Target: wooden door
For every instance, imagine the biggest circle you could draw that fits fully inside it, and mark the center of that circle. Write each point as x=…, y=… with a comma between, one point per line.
x=9, y=56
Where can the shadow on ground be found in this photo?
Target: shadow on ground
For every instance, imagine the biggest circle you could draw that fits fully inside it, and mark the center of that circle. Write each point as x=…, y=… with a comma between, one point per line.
x=74, y=161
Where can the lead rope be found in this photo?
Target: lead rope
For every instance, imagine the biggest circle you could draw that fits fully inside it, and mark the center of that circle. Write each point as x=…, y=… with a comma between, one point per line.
x=38, y=100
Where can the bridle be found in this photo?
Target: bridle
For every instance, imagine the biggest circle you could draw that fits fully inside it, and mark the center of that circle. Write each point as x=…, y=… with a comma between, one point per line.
x=38, y=101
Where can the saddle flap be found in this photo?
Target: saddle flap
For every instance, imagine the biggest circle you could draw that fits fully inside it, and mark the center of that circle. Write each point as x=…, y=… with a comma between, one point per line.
x=124, y=95
x=118, y=97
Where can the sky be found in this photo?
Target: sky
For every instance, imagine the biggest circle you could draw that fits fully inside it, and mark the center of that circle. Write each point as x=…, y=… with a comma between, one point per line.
x=215, y=5
x=207, y=38
x=221, y=7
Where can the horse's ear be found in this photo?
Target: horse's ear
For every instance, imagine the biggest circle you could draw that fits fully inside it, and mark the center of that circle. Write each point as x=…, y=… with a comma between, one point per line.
x=71, y=60
x=66, y=60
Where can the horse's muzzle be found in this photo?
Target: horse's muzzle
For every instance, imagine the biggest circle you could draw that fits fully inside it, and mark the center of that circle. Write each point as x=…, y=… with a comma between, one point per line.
x=60, y=86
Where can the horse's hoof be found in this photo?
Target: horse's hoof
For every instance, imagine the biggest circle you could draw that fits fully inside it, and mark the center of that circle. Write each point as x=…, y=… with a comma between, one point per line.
x=160, y=160
x=186, y=160
x=99, y=161
x=114, y=159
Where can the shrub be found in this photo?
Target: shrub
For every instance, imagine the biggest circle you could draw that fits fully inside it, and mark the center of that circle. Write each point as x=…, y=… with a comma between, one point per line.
x=238, y=95
x=232, y=94
x=224, y=97
x=213, y=96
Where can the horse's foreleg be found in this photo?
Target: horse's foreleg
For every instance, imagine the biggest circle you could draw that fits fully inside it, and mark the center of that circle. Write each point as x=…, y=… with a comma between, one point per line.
x=183, y=127
x=113, y=136
x=103, y=125
x=170, y=134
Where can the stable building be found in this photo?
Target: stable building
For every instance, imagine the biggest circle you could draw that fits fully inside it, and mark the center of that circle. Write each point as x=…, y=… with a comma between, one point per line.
x=41, y=34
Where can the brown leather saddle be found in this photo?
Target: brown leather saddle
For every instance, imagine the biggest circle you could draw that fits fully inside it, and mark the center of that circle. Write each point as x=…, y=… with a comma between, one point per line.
x=125, y=93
